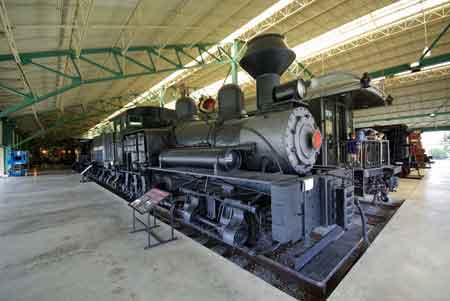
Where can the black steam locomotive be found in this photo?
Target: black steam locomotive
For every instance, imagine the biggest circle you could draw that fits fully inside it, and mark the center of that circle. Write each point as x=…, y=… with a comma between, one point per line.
x=243, y=178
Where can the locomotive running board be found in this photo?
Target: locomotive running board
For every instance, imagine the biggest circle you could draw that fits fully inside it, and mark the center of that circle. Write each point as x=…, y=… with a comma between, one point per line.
x=249, y=176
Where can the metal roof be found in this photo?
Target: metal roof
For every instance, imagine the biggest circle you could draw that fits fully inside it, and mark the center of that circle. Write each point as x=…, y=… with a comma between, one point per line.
x=110, y=32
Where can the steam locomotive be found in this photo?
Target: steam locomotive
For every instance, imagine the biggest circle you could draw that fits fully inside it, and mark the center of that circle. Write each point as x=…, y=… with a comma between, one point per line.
x=247, y=179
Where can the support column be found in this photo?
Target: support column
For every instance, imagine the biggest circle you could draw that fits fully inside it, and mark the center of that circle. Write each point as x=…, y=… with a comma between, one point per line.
x=2, y=161
x=1, y=133
x=8, y=133
x=234, y=62
x=5, y=142
x=2, y=151
x=162, y=91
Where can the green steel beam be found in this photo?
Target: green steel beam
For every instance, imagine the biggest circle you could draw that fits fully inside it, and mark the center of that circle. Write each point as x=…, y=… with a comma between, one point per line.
x=59, y=123
x=433, y=44
x=153, y=52
x=29, y=101
x=307, y=71
x=162, y=92
x=116, y=60
x=433, y=129
x=403, y=117
x=53, y=70
x=443, y=58
x=234, y=62
x=13, y=90
x=91, y=112
x=296, y=67
x=98, y=65
x=27, y=56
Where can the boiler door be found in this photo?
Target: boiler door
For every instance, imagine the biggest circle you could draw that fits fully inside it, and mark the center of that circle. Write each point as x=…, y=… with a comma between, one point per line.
x=303, y=140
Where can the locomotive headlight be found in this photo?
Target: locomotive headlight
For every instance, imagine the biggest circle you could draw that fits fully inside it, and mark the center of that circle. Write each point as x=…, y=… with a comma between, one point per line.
x=301, y=88
x=316, y=140
x=293, y=90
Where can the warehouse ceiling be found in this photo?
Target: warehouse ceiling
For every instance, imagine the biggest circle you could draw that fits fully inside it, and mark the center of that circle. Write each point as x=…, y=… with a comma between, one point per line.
x=100, y=41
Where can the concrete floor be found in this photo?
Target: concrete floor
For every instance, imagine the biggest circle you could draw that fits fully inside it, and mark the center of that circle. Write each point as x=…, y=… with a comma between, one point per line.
x=410, y=259
x=62, y=240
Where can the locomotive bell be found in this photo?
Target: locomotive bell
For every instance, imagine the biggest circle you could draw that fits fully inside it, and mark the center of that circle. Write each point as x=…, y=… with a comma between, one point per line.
x=185, y=108
x=231, y=99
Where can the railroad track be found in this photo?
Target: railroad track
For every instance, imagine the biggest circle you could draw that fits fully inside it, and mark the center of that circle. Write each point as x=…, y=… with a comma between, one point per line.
x=298, y=269
x=318, y=277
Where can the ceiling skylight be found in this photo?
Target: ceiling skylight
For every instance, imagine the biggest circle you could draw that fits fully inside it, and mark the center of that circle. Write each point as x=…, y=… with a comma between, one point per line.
x=230, y=38
x=376, y=20
x=364, y=25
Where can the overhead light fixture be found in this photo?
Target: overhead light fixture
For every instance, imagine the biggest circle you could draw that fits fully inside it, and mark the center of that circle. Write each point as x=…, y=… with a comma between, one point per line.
x=425, y=51
x=414, y=65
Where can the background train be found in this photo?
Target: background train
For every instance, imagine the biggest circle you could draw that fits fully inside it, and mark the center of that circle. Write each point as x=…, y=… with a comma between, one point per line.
x=271, y=176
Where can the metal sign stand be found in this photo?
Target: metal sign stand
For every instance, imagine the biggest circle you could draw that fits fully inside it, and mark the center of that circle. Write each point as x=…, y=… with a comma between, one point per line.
x=145, y=206
x=84, y=175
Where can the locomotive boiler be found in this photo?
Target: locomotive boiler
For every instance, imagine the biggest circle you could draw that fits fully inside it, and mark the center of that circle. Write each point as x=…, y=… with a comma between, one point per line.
x=245, y=179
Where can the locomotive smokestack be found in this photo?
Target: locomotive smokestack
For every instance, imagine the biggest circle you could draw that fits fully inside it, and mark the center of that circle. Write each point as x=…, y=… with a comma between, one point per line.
x=266, y=59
